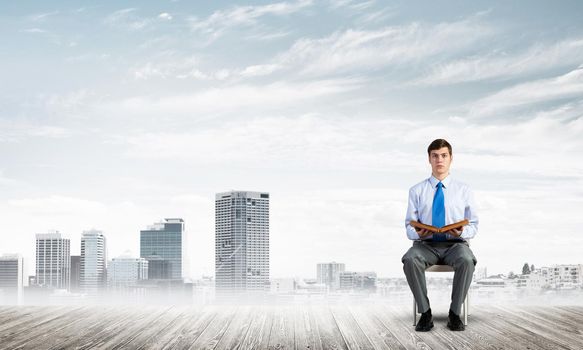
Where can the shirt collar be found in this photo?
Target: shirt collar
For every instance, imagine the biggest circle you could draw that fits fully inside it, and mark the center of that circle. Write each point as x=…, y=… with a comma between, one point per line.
x=434, y=181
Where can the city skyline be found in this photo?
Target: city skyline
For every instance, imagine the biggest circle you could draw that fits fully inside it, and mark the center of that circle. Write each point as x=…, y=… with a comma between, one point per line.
x=321, y=268
x=113, y=116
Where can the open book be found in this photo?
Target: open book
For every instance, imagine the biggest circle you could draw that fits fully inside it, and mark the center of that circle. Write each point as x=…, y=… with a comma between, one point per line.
x=440, y=229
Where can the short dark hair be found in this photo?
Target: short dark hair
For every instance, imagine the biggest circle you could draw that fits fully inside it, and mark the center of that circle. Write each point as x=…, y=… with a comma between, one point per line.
x=438, y=144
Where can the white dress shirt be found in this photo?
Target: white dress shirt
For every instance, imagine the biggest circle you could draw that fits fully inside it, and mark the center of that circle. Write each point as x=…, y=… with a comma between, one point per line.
x=459, y=205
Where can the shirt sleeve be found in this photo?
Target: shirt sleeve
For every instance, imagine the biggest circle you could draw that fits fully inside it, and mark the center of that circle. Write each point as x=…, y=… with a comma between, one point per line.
x=412, y=214
x=471, y=214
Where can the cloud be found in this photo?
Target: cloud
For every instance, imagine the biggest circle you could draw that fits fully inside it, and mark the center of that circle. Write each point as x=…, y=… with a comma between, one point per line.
x=234, y=98
x=377, y=16
x=18, y=131
x=509, y=152
x=269, y=35
x=222, y=21
x=129, y=19
x=88, y=57
x=5, y=181
x=170, y=67
x=364, y=50
x=503, y=66
x=529, y=94
x=50, y=36
x=57, y=205
x=355, y=5
x=346, y=52
x=259, y=70
x=165, y=16
x=42, y=16
x=34, y=30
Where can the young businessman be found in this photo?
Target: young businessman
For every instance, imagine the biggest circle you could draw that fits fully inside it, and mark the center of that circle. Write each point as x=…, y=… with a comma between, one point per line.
x=438, y=201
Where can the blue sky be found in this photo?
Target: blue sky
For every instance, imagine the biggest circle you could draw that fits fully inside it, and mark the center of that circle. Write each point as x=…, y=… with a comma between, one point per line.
x=115, y=115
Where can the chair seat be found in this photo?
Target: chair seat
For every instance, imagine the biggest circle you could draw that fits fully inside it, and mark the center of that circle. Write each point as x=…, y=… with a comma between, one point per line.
x=439, y=268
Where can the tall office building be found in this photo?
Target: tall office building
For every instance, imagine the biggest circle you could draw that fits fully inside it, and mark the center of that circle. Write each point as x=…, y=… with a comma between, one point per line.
x=75, y=273
x=92, y=274
x=328, y=274
x=11, y=279
x=166, y=240
x=125, y=271
x=241, y=242
x=158, y=268
x=53, y=260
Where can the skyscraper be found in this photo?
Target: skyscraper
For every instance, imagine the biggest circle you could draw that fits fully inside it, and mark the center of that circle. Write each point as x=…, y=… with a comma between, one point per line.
x=158, y=268
x=241, y=242
x=166, y=240
x=92, y=274
x=125, y=271
x=11, y=279
x=327, y=273
x=53, y=260
x=75, y=273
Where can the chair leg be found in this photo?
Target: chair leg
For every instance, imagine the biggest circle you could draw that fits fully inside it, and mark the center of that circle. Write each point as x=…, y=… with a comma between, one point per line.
x=468, y=302
x=466, y=309
x=414, y=312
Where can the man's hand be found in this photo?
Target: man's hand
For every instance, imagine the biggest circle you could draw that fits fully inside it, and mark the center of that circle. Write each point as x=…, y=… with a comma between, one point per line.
x=423, y=232
x=456, y=232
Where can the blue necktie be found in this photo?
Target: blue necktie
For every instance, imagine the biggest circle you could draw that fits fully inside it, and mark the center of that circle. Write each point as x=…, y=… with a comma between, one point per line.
x=438, y=212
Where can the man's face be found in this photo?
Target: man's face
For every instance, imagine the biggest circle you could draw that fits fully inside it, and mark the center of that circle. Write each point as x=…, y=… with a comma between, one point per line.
x=440, y=161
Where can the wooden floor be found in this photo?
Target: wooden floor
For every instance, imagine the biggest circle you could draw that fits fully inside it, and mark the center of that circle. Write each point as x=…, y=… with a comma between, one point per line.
x=284, y=327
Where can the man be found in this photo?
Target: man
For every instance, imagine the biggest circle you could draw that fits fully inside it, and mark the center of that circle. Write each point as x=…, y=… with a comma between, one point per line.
x=438, y=201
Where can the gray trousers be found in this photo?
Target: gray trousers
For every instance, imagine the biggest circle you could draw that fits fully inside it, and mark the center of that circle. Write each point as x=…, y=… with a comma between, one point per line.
x=424, y=254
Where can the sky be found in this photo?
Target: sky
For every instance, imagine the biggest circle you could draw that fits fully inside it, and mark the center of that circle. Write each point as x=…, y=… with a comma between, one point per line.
x=115, y=115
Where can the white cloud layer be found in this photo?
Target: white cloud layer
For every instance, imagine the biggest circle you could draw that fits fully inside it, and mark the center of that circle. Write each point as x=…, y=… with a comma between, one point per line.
x=222, y=21
x=362, y=50
x=504, y=65
x=232, y=98
x=537, y=92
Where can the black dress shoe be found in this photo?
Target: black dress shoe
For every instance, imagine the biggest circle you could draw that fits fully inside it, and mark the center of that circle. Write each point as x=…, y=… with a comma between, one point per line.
x=425, y=322
x=454, y=322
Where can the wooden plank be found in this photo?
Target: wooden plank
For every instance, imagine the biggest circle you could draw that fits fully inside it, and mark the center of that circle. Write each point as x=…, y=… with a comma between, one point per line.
x=560, y=321
x=380, y=326
x=121, y=327
x=306, y=336
x=441, y=337
x=328, y=331
x=352, y=333
x=400, y=327
x=153, y=337
x=380, y=336
x=257, y=336
x=35, y=329
x=25, y=317
x=238, y=329
x=86, y=328
x=541, y=332
x=192, y=328
x=212, y=334
x=184, y=319
x=488, y=321
x=281, y=336
x=151, y=317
